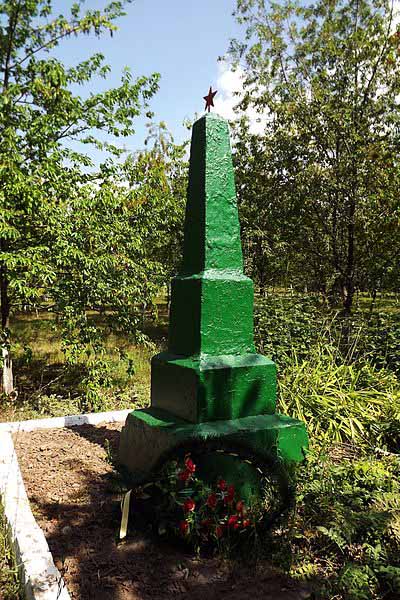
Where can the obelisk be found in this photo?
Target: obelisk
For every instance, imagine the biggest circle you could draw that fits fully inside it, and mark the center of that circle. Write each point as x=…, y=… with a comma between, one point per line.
x=211, y=382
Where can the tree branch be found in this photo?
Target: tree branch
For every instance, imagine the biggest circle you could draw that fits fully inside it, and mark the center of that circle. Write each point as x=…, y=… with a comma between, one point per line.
x=384, y=47
x=45, y=45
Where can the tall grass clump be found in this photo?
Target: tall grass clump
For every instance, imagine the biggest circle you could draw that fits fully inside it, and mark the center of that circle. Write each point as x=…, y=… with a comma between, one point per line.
x=9, y=581
x=341, y=377
x=340, y=402
x=338, y=375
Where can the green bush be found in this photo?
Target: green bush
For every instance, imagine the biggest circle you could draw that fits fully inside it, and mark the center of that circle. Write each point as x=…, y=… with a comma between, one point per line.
x=348, y=526
x=376, y=339
x=287, y=325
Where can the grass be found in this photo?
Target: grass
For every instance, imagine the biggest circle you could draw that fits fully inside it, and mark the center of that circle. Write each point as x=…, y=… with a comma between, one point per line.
x=9, y=583
x=345, y=535
x=351, y=403
x=46, y=387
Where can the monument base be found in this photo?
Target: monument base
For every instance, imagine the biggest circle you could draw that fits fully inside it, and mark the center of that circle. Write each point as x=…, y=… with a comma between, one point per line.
x=207, y=388
x=149, y=434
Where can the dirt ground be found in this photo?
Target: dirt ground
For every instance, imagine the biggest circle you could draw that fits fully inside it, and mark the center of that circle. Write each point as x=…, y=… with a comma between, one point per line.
x=67, y=478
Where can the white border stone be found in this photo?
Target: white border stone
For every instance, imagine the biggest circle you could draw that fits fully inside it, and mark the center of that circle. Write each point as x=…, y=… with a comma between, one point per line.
x=69, y=421
x=40, y=578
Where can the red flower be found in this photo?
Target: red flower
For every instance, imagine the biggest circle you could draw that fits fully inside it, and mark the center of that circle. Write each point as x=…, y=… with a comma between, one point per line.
x=189, y=464
x=233, y=521
x=206, y=523
x=222, y=484
x=184, y=475
x=219, y=531
x=240, y=507
x=246, y=523
x=184, y=527
x=212, y=501
x=230, y=495
x=189, y=505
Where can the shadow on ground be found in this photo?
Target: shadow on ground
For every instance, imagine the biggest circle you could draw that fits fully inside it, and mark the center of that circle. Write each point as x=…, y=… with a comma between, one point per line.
x=81, y=516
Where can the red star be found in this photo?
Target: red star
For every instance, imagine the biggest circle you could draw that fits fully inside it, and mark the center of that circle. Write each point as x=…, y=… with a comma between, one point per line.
x=209, y=99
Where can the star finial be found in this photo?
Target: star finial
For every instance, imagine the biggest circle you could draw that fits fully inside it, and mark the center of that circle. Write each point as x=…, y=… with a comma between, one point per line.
x=209, y=99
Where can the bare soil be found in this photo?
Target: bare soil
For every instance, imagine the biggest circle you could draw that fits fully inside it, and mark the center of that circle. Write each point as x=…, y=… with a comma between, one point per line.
x=67, y=477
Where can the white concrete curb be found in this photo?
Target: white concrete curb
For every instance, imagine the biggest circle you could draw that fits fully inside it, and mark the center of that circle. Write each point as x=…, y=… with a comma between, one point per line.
x=40, y=578
x=70, y=421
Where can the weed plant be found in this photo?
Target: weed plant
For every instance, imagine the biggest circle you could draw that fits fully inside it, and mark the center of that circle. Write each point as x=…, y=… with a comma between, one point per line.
x=345, y=536
x=9, y=583
x=341, y=378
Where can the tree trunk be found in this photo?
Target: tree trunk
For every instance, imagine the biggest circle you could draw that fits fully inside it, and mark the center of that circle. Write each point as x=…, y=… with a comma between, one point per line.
x=7, y=386
x=8, y=379
x=348, y=296
x=168, y=296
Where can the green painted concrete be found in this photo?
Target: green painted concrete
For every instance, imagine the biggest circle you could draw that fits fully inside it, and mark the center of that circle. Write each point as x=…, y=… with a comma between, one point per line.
x=212, y=234
x=211, y=313
x=212, y=300
x=150, y=433
x=211, y=383
x=211, y=370
x=213, y=387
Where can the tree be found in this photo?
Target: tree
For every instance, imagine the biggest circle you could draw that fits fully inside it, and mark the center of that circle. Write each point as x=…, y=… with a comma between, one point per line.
x=40, y=175
x=318, y=190
x=170, y=157
x=113, y=249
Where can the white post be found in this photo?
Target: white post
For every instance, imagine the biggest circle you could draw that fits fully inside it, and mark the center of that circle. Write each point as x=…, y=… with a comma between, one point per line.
x=8, y=380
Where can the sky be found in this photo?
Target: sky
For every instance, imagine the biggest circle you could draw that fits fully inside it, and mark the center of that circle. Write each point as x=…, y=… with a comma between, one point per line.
x=180, y=39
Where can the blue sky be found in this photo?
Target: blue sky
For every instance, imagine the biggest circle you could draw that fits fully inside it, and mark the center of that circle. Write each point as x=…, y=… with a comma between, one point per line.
x=180, y=39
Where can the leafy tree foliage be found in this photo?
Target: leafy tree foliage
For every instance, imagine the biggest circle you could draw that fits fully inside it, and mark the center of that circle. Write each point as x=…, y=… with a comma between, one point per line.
x=318, y=190
x=112, y=251
x=43, y=185
x=115, y=252
x=172, y=159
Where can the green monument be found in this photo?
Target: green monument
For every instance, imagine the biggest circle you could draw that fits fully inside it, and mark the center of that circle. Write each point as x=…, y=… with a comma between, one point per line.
x=211, y=383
